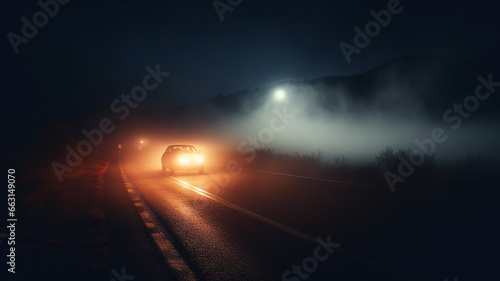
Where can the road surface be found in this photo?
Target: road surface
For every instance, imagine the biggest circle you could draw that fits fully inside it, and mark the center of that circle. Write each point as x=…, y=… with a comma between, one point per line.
x=256, y=225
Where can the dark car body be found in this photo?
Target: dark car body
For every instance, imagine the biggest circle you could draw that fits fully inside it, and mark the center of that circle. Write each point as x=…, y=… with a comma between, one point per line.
x=182, y=157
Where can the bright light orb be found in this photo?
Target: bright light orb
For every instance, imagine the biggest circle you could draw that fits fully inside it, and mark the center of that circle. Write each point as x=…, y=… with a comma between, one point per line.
x=183, y=160
x=279, y=94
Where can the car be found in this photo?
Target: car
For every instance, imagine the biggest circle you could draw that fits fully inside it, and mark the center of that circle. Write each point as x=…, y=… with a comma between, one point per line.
x=182, y=157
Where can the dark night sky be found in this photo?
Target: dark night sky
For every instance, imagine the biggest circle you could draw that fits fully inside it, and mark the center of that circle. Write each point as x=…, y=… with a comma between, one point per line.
x=92, y=51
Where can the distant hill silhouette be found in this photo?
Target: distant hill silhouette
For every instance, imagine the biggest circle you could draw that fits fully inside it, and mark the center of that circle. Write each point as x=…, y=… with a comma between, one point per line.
x=413, y=85
x=421, y=86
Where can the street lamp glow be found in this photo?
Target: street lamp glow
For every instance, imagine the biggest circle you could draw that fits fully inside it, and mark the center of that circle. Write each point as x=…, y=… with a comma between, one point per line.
x=279, y=94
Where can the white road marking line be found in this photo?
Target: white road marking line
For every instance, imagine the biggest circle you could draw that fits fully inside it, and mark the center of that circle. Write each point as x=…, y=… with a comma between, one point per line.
x=282, y=227
x=237, y=208
x=317, y=179
x=161, y=237
x=406, y=189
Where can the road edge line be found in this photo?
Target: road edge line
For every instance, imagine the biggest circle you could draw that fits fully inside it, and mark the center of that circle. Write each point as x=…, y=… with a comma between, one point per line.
x=291, y=231
x=158, y=233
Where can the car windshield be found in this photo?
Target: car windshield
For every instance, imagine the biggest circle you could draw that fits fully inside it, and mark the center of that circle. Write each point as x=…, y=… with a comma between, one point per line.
x=183, y=149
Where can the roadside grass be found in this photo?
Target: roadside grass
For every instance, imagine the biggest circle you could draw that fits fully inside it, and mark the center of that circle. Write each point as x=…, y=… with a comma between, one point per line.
x=315, y=165
x=62, y=227
x=474, y=174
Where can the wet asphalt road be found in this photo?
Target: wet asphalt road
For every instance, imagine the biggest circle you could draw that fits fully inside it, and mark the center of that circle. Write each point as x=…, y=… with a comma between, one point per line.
x=382, y=235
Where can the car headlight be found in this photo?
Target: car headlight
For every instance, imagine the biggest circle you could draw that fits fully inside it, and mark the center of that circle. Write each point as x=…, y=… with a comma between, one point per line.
x=183, y=160
x=199, y=159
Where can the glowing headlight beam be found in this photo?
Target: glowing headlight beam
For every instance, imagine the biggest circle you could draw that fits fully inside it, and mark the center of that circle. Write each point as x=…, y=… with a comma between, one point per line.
x=199, y=159
x=183, y=160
